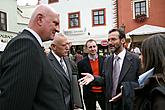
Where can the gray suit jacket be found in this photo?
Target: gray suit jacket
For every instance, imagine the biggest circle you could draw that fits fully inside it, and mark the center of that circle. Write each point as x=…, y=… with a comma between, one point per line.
x=129, y=72
x=27, y=81
x=63, y=78
x=71, y=89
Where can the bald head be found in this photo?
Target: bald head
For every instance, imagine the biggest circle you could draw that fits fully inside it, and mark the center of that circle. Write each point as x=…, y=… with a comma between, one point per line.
x=43, y=9
x=60, y=45
x=58, y=38
x=44, y=21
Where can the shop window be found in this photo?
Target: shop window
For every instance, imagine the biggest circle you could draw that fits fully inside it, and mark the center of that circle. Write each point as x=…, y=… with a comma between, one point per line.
x=3, y=21
x=98, y=17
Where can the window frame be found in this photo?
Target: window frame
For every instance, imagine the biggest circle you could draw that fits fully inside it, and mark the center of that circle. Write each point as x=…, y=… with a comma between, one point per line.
x=99, y=16
x=146, y=7
x=5, y=21
x=78, y=18
x=140, y=12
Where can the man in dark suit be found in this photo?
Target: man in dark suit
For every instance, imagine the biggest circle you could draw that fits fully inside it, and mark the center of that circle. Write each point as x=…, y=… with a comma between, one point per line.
x=27, y=81
x=62, y=67
x=93, y=64
x=127, y=71
x=129, y=65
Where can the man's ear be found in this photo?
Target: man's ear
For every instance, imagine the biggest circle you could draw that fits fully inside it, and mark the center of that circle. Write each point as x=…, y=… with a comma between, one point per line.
x=123, y=40
x=53, y=46
x=39, y=19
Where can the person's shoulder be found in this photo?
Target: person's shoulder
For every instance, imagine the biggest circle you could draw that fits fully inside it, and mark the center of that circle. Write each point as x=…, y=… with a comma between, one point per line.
x=108, y=58
x=132, y=55
x=100, y=56
x=84, y=59
x=50, y=55
x=22, y=41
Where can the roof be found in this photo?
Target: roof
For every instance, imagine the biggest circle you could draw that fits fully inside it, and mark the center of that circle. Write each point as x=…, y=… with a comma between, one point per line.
x=147, y=29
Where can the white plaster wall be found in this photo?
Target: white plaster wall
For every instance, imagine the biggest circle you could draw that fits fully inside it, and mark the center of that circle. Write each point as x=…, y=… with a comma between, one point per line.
x=10, y=7
x=85, y=7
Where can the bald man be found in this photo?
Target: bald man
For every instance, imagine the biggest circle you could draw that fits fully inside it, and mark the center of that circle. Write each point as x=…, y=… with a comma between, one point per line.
x=27, y=81
x=64, y=70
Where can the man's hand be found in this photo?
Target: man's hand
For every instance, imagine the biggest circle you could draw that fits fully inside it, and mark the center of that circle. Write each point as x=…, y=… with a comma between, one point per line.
x=117, y=97
x=86, y=79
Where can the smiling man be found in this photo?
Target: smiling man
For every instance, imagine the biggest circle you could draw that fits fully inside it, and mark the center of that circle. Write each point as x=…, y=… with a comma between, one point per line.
x=92, y=64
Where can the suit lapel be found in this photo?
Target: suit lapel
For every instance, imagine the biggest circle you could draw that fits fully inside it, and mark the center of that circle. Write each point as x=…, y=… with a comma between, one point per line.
x=57, y=66
x=68, y=67
x=100, y=61
x=126, y=65
x=108, y=73
x=88, y=65
x=111, y=69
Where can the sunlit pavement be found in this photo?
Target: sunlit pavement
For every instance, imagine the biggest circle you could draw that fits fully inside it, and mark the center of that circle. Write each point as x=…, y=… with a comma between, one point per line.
x=97, y=107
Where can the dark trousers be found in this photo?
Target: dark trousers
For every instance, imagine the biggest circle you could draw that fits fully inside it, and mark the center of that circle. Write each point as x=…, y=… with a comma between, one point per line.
x=91, y=98
x=117, y=105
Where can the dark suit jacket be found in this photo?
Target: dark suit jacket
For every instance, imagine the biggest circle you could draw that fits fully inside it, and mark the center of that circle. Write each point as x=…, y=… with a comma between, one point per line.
x=129, y=72
x=76, y=94
x=27, y=81
x=68, y=84
x=85, y=67
x=64, y=79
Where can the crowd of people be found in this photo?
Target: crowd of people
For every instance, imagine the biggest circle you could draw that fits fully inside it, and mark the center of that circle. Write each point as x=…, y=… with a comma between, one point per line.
x=32, y=78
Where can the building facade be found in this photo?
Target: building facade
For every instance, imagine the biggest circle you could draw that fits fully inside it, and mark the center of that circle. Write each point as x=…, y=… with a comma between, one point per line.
x=135, y=13
x=80, y=20
x=8, y=20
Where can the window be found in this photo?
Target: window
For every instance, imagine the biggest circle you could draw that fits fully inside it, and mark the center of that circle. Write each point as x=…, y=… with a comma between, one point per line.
x=52, y=1
x=98, y=17
x=74, y=20
x=3, y=21
x=140, y=8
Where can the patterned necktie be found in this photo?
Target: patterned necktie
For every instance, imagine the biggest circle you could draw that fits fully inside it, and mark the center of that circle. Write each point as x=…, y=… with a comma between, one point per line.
x=63, y=66
x=116, y=73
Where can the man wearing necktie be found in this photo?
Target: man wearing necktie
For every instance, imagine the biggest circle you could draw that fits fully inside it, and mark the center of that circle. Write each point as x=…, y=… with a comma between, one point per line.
x=116, y=71
x=62, y=67
x=122, y=66
x=59, y=50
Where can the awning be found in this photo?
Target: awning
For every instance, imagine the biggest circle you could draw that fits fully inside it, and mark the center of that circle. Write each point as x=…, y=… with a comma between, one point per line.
x=147, y=29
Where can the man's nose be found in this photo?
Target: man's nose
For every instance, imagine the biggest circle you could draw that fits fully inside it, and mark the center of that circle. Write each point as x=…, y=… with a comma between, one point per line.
x=57, y=28
x=67, y=46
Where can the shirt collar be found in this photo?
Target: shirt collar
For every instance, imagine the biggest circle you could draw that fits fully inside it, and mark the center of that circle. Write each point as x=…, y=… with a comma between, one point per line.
x=93, y=58
x=36, y=36
x=56, y=56
x=121, y=55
